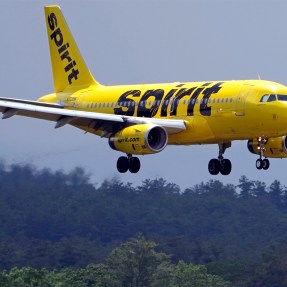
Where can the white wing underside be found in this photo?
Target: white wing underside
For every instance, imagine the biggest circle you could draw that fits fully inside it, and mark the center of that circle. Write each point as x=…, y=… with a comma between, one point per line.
x=60, y=115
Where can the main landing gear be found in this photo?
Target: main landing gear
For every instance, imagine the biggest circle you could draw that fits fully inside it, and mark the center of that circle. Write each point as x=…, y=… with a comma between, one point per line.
x=128, y=162
x=262, y=163
x=220, y=165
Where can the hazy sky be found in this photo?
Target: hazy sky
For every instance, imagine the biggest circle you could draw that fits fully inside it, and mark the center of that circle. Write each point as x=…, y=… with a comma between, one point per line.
x=129, y=42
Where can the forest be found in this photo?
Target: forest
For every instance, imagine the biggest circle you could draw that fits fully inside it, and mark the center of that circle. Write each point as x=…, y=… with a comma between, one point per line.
x=58, y=229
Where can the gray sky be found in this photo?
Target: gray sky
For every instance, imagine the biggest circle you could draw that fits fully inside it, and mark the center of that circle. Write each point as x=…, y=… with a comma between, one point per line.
x=129, y=42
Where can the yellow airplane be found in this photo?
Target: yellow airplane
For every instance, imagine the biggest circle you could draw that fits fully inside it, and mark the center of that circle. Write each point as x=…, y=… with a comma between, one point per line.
x=144, y=119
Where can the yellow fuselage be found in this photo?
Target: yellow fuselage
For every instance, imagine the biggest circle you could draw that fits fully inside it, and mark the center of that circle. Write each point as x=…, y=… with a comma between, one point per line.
x=214, y=112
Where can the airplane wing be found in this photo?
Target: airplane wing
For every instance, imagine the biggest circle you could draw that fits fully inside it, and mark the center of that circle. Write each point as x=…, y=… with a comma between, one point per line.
x=62, y=116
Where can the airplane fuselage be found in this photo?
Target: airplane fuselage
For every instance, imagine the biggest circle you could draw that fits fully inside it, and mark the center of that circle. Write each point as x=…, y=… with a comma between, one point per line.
x=216, y=111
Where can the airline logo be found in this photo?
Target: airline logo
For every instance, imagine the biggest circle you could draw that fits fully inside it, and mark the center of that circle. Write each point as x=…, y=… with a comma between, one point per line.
x=162, y=101
x=63, y=49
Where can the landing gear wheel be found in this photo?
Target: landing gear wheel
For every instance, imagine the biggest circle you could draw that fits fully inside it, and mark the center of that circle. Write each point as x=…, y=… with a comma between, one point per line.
x=225, y=167
x=220, y=165
x=266, y=164
x=134, y=165
x=122, y=164
x=259, y=163
x=214, y=166
x=128, y=163
x=262, y=163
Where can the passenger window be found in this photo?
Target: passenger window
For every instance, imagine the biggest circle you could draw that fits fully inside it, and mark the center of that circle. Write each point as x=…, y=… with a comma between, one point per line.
x=88, y=105
x=100, y=105
x=272, y=98
x=226, y=100
x=230, y=101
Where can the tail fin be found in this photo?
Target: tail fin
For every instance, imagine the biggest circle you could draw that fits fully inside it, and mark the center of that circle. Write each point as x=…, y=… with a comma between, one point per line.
x=69, y=69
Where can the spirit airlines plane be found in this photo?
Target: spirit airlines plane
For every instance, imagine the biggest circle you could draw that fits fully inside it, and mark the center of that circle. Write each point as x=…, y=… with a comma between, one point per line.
x=144, y=119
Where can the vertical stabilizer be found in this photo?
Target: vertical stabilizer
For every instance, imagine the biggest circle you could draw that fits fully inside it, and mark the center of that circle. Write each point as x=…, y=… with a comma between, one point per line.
x=69, y=69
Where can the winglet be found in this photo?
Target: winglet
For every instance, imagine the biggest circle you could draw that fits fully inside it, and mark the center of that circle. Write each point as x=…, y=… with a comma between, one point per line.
x=69, y=69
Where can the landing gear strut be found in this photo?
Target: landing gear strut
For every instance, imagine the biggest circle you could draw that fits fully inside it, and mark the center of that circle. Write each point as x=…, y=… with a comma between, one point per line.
x=128, y=163
x=262, y=163
x=220, y=165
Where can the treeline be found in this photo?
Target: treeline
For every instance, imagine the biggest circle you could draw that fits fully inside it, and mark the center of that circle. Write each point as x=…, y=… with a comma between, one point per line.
x=53, y=220
x=135, y=263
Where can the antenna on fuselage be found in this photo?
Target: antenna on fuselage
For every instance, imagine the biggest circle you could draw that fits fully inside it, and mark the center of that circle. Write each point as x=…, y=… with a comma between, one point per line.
x=258, y=77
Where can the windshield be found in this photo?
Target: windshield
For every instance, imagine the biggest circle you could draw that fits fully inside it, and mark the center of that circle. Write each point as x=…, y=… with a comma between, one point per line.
x=282, y=97
x=273, y=97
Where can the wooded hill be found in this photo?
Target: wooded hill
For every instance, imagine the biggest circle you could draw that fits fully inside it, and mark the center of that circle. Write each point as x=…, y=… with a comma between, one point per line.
x=55, y=220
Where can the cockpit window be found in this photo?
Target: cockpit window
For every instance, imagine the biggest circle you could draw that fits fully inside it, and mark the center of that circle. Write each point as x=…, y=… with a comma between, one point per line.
x=264, y=98
x=272, y=98
x=282, y=97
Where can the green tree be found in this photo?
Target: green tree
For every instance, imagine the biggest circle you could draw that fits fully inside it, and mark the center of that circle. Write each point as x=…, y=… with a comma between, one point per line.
x=245, y=186
x=27, y=277
x=259, y=189
x=134, y=263
x=4, y=280
x=187, y=275
x=276, y=194
x=94, y=275
x=64, y=278
x=158, y=186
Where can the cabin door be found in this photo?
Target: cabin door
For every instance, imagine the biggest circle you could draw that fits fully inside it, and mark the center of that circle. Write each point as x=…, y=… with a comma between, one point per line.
x=240, y=102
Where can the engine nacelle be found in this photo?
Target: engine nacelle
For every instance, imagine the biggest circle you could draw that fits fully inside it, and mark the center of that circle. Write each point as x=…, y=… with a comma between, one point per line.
x=140, y=139
x=274, y=148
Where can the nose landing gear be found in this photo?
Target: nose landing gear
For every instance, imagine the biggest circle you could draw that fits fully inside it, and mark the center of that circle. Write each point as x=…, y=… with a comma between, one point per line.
x=262, y=163
x=220, y=165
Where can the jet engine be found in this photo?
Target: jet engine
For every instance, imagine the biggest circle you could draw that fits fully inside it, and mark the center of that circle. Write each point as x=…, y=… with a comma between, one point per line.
x=274, y=147
x=140, y=139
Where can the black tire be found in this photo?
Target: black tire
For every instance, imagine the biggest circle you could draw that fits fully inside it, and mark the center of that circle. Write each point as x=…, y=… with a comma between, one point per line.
x=122, y=164
x=225, y=167
x=134, y=165
x=214, y=166
x=266, y=164
x=259, y=163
